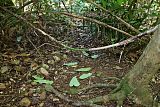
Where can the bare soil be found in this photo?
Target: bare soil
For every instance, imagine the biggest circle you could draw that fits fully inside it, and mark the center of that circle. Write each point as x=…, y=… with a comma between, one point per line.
x=17, y=81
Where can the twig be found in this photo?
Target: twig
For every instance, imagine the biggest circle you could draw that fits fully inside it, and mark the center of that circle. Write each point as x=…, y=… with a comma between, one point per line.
x=125, y=42
x=96, y=21
x=121, y=53
x=118, y=18
x=34, y=46
x=64, y=5
x=46, y=44
x=25, y=4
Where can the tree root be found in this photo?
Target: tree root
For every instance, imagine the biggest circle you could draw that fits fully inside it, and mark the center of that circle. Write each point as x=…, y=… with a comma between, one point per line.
x=97, y=86
x=118, y=96
x=75, y=103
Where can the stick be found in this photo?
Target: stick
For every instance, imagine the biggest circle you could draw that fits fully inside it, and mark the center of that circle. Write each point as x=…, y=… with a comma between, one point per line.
x=127, y=41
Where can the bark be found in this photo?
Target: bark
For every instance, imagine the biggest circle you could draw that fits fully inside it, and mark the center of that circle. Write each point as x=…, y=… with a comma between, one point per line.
x=143, y=71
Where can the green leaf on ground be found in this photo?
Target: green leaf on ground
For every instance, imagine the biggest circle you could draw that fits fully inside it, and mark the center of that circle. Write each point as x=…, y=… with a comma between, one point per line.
x=74, y=82
x=84, y=69
x=41, y=80
x=84, y=76
x=70, y=64
x=44, y=81
x=85, y=53
x=94, y=56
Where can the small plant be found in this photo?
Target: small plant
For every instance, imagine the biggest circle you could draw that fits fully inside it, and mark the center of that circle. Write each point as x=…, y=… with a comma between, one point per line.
x=74, y=82
x=91, y=56
x=84, y=69
x=41, y=80
x=84, y=76
x=71, y=64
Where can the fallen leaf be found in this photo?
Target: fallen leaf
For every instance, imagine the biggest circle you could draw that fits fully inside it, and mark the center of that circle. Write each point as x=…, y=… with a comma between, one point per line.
x=84, y=69
x=16, y=62
x=4, y=69
x=85, y=53
x=44, y=72
x=94, y=56
x=34, y=66
x=84, y=76
x=2, y=86
x=118, y=67
x=41, y=104
x=51, y=62
x=70, y=64
x=42, y=96
x=25, y=102
x=41, y=80
x=45, y=66
x=56, y=58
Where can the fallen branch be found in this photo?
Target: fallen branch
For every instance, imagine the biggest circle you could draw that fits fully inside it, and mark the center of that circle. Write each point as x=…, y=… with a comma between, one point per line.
x=118, y=18
x=127, y=41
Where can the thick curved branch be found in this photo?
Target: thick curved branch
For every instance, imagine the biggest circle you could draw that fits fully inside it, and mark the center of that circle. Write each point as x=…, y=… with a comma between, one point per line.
x=127, y=41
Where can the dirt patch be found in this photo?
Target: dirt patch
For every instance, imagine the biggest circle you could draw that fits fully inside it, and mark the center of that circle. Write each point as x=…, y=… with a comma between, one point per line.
x=19, y=65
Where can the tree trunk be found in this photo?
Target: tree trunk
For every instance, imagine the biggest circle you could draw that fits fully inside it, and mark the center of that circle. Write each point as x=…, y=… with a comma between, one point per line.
x=139, y=77
x=135, y=83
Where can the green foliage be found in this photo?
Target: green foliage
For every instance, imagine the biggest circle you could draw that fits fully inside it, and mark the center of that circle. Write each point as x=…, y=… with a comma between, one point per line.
x=91, y=56
x=74, y=82
x=94, y=56
x=84, y=69
x=6, y=3
x=41, y=80
x=85, y=53
x=84, y=76
x=71, y=64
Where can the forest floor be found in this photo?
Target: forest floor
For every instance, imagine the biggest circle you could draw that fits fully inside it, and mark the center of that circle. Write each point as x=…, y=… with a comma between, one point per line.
x=20, y=62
